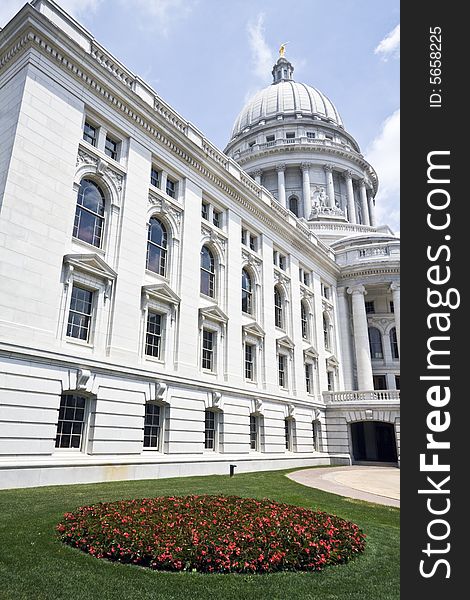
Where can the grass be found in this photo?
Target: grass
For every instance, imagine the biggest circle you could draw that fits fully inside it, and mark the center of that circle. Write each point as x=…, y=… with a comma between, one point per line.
x=35, y=565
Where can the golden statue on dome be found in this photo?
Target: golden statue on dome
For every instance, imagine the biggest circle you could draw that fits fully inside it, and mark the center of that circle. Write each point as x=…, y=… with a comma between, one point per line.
x=282, y=49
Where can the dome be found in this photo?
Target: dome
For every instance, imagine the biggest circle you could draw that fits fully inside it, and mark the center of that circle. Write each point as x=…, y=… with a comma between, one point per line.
x=285, y=97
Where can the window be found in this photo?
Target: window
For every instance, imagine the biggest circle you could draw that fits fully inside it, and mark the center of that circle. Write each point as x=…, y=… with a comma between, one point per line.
x=326, y=332
x=294, y=205
x=111, y=148
x=380, y=382
x=375, y=343
x=152, y=426
x=308, y=378
x=254, y=433
x=330, y=376
x=208, y=349
x=249, y=239
x=288, y=434
x=205, y=211
x=392, y=306
x=80, y=314
x=278, y=309
x=155, y=177
x=394, y=343
x=304, y=320
x=216, y=217
x=311, y=135
x=397, y=382
x=153, y=339
x=325, y=291
x=249, y=362
x=290, y=135
x=247, y=292
x=281, y=361
x=280, y=260
x=90, y=133
x=370, y=308
x=270, y=138
x=207, y=272
x=251, y=144
x=210, y=430
x=315, y=435
x=171, y=188
x=71, y=423
x=329, y=137
x=253, y=243
x=157, y=242
x=89, y=214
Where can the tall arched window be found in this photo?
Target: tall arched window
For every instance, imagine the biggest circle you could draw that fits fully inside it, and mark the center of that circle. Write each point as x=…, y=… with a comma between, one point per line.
x=207, y=272
x=394, y=342
x=89, y=214
x=278, y=309
x=157, y=243
x=294, y=205
x=326, y=332
x=375, y=343
x=247, y=292
x=304, y=320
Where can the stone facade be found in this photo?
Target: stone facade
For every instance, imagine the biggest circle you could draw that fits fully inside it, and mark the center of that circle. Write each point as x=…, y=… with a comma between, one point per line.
x=109, y=337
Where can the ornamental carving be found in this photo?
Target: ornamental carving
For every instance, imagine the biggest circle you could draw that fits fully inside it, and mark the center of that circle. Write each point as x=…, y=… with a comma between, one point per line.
x=213, y=236
x=165, y=208
x=252, y=260
x=101, y=167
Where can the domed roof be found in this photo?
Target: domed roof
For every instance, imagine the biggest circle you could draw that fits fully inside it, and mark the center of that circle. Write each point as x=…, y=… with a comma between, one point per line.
x=285, y=97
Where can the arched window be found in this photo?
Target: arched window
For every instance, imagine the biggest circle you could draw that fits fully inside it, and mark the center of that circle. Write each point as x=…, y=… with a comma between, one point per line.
x=375, y=343
x=326, y=332
x=89, y=214
x=304, y=320
x=207, y=272
x=394, y=342
x=247, y=292
x=294, y=205
x=157, y=243
x=278, y=309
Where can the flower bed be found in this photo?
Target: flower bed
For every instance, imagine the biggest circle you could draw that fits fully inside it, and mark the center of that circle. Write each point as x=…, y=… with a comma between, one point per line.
x=212, y=534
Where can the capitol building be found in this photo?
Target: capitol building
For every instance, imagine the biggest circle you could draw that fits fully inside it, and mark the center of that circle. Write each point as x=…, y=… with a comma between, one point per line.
x=169, y=309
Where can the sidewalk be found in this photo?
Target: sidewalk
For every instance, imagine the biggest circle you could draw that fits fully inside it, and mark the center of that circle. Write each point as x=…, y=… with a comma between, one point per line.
x=373, y=484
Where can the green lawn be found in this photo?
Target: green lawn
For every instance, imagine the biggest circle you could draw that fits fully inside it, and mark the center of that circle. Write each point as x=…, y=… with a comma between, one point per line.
x=35, y=566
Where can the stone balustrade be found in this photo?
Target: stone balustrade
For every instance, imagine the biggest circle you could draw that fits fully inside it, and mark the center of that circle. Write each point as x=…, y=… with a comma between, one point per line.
x=359, y=396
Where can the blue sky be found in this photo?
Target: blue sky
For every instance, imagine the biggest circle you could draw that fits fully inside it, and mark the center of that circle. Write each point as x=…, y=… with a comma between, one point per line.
x=206, y=57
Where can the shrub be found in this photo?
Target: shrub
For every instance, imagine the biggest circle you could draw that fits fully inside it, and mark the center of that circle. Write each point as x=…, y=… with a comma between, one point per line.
x=212, y=534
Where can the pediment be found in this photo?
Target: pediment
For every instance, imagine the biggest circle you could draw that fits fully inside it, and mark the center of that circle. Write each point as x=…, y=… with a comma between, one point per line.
x=311, y=352
x=253, y=329
x=90, y=263
x=285, y=342
x=213, y=313
x=162, y=292
x=332, y=361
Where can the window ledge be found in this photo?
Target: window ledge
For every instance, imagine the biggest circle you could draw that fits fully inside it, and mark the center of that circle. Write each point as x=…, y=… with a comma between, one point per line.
x=100, y=251
x=78, y=342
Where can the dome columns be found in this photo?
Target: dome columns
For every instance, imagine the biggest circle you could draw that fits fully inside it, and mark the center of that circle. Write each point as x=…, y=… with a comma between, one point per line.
x=306, y=189
x=257, y=176
x=364, y=203
x=365, y=379
x=281, y=184
x=372, y=210
x=330, y=189
x=350, y=197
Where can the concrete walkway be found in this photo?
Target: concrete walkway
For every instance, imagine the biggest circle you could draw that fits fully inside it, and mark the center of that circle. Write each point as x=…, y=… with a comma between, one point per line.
x=373, y=484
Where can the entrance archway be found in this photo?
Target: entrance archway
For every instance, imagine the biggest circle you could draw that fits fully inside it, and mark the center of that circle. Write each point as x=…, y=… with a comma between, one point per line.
x=374, y=441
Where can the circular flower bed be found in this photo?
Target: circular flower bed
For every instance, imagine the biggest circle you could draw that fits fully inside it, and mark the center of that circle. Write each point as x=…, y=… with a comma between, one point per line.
x=212, y=534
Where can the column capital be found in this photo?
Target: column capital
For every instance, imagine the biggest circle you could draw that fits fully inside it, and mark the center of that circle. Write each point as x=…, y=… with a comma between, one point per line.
x=328, y=168
x=281, y=167
x=363, y=182
x=257, y=173
x=395, y=286
x=341, y=292
x=347, y=174
x=357, y=289
x=305, y=166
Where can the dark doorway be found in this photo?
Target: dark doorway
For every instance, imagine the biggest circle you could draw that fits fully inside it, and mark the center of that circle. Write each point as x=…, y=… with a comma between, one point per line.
x=374, y=441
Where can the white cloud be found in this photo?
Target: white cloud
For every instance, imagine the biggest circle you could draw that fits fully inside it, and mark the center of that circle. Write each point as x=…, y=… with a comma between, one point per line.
x=160, y=15
x=261, y=54
x=390, y=45
x=9, y=8
x=384, y=155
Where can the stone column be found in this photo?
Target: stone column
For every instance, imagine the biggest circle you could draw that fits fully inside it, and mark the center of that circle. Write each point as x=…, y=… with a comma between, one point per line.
x=281, y=184
x=395, y=289
x=345, y=338
x=330, y=188
x=361, y=338
x=306, y=189
x=372, y=210
x=257, y=176
x=364, y=205
x=350, y=197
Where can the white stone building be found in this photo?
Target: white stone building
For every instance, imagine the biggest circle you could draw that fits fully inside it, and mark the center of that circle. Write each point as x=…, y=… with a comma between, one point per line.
x=167, y=309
